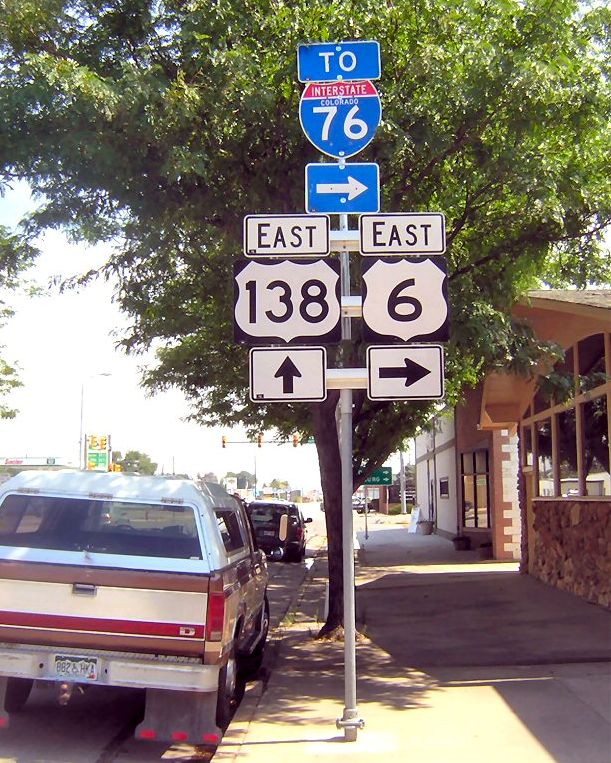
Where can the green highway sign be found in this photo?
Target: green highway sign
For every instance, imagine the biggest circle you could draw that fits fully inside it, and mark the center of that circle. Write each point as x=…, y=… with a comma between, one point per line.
x=381, y=476
x=97, y=461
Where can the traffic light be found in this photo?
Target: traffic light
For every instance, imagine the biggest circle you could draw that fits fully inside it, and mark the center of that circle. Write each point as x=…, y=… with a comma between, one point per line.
x=103, y=442
x=295, y=440
x=223, y=441
x=93, y=442
x=259, y=440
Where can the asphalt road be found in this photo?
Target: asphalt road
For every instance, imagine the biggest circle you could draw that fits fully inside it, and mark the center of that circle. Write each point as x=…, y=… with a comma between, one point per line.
x=97, y=725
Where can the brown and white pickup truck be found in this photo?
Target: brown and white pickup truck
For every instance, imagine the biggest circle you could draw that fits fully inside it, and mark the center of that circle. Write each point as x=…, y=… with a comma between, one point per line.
x=123, y=580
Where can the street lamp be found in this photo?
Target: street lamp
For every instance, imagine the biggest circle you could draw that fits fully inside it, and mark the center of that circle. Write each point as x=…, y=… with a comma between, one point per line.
x=81, y=442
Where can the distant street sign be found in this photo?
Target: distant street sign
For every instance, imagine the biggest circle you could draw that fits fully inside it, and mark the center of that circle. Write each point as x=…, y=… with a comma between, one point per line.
x=286, y=235
x=381, y=476
x=405, y=299
x=402, y=233
x=349, y=189
x=282, y=374
x=97, y=460
x=340, y=118
x=336, y=61
x=412, y=372
x=287, y=301
x=30, y=461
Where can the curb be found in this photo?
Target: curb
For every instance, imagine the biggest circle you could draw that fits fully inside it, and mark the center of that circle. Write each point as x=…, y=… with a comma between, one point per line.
x=237, y=731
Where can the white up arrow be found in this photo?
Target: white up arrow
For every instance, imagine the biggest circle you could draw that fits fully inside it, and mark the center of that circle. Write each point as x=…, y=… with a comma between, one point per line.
x=353, y=188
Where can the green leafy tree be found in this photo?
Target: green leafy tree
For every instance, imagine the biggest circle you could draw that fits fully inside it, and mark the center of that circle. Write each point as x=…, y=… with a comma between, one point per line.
x=159, y=125
x=15, y=255
x=245, y=479
x=135, y=461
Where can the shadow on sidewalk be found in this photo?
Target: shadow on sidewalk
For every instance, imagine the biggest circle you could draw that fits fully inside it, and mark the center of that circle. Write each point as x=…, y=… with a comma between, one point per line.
x=466, y=651
x=307, y=687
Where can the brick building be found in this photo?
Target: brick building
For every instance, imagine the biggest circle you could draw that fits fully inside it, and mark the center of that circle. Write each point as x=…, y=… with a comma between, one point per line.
x=525, y=469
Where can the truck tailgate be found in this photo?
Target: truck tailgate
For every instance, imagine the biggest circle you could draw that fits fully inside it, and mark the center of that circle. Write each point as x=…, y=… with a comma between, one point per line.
x=120, y=610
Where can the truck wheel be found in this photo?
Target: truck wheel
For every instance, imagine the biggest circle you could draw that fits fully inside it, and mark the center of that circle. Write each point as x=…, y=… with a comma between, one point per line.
x=250, y=663
x=225, y=699
x=294, y=555
x=17, y=693
x=297, y=555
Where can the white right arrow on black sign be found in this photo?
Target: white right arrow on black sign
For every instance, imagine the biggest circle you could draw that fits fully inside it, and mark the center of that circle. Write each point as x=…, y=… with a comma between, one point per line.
x=414, y=372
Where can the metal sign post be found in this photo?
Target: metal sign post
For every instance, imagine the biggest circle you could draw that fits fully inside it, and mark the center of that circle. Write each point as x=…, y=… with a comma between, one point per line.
x=283, y=302
x=350, y=720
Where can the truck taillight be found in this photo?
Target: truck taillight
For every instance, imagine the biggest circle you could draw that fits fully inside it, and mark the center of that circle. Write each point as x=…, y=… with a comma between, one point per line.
x=215, y=616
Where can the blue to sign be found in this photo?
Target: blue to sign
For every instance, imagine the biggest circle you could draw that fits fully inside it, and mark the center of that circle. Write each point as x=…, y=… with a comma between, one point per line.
x=340, y=118
x=353, y=188
x=337, y=61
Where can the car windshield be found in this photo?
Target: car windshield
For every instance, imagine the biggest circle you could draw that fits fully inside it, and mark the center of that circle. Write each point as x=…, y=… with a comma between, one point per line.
x=268, y=515
x=102, y=526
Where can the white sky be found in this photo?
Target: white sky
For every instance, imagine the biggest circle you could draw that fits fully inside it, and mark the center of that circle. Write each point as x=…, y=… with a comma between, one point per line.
x=63, y=342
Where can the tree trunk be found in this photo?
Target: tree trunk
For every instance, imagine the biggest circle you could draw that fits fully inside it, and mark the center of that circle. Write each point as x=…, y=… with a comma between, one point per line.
x=327, y=445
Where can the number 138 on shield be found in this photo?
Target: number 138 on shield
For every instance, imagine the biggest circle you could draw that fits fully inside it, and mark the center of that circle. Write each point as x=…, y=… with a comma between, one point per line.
x=283, y=301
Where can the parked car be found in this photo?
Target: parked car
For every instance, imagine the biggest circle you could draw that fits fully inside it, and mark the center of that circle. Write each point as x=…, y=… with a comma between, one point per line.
x=360, y=505
x=280, y=529
x=122, y=580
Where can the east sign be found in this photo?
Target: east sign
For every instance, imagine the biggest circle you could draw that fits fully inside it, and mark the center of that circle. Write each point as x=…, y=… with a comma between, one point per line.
x=402, y=233
x=286, y=235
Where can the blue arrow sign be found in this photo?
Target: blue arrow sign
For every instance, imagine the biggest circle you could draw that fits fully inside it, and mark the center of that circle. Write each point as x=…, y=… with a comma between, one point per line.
x=340, y=118
x=346, y=189
x=337, y=61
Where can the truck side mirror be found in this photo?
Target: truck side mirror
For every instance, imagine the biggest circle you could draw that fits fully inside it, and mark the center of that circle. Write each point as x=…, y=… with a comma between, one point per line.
x=284, y=526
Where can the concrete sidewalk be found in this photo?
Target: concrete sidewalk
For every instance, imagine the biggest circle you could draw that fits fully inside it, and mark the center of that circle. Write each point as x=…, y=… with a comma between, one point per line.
x=463, y=660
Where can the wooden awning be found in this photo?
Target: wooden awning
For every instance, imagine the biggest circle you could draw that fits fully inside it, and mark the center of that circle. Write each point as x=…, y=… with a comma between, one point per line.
x=561, y=316
x=504, y=400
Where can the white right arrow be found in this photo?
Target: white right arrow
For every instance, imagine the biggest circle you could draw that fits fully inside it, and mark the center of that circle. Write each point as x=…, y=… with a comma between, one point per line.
x=353, y=188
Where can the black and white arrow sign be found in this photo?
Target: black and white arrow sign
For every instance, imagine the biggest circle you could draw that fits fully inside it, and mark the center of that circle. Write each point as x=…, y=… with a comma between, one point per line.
x=288, y=372
x=284, y=374
x=413, y=372
x=410, y=371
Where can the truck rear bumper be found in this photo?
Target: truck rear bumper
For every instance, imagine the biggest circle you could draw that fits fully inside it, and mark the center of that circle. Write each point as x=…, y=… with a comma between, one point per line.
x=111, y=669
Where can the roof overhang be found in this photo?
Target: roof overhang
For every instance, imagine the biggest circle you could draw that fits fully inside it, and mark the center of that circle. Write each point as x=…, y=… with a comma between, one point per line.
x=504, y=398
x=563, y=317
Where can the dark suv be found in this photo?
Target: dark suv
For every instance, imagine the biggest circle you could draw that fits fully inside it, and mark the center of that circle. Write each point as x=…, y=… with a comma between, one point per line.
x=280, y=529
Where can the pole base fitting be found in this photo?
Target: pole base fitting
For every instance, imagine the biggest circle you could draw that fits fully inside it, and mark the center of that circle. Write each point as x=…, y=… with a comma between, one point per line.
x=350, y=723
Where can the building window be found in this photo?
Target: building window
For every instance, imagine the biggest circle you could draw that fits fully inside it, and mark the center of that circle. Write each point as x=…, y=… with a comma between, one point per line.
x=444, y=487
x=527, y=446
x=567, y=453
x=596, y=451
x=570, y=421
x=476, y=489
x=545, y=467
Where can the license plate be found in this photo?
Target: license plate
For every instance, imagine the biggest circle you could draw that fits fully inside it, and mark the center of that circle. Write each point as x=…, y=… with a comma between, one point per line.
x=74, y=667
x=268, y=533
